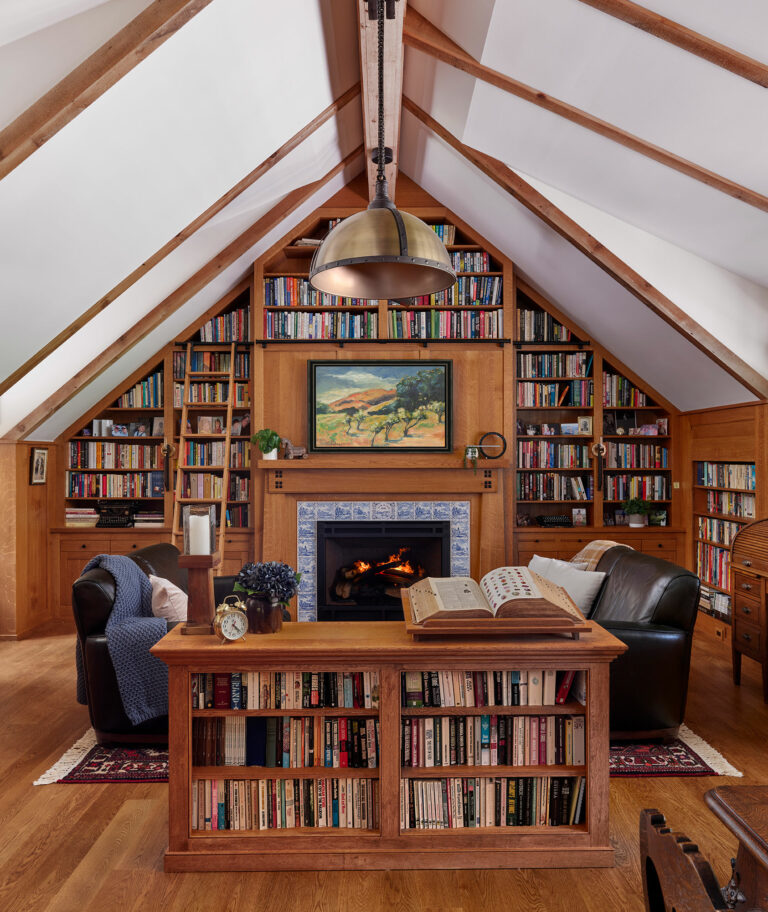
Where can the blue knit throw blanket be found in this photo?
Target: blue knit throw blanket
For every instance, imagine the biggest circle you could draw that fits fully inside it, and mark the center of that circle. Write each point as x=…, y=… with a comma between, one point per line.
x=131, y=630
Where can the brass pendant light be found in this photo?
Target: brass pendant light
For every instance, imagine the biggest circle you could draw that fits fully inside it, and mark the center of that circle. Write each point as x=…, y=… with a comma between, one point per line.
x=381, y=252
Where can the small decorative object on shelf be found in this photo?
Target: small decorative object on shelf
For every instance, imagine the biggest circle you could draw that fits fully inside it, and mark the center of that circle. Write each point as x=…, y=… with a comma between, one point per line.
x=471, y=454
x=636, y=509
x=267, y=441
x=269, y=585
x=492, y=445
x=199, y=529
x=230, y=623
x=291, y=451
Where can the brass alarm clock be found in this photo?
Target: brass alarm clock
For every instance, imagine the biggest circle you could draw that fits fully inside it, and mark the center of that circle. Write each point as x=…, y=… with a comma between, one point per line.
x=230, y=622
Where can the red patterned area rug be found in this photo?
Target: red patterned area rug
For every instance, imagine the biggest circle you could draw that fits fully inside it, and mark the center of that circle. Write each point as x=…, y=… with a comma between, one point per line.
x=88, y=762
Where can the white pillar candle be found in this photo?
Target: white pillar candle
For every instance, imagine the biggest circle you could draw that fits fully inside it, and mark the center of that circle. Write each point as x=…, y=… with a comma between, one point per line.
x=199, y=534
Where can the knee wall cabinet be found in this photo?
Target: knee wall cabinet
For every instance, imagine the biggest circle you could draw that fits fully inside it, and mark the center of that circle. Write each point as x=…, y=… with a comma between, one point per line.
x=296, y=751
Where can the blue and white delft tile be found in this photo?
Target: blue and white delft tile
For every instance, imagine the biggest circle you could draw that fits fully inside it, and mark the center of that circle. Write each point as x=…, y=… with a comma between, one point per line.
x=326, y=510
x=383, y=510
x=308, y=614
x=460, y=565
x=307, y=528
x=460, y=510
x=307, y=584
x=441, y=509
x=343, y=512
x=459, y=548
x=406, y=509
x=424, y=509
x=307, y=548
x=306, y=509
x=361, y=510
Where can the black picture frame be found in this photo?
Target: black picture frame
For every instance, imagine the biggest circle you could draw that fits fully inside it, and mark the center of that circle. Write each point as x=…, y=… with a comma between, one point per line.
x=38, y=465
x=364, y=383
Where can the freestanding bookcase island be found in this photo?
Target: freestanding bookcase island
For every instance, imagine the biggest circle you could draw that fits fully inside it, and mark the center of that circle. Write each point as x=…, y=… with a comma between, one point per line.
x=344, y=685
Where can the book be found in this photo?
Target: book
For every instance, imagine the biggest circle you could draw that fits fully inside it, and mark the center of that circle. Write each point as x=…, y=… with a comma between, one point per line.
x=506, y=592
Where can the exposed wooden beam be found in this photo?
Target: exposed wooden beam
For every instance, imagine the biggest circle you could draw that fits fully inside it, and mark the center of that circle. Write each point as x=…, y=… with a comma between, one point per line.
x=685, y=38
x=175, y=300
x=92, y=78
x=567, y=228
x=393, y=88
x=103, y=302
x=419, y=33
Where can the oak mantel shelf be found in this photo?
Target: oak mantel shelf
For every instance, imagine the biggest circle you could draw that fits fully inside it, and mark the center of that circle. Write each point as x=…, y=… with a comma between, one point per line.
x=392, y=460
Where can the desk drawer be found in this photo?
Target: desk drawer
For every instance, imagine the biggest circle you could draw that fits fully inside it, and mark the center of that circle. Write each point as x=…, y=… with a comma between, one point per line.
x=747, y=610
x=747, y=639
x=755, y=564
x=747, y=586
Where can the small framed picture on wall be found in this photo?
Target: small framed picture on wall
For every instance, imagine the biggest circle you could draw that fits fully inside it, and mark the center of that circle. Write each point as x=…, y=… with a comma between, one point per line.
x=38, y=465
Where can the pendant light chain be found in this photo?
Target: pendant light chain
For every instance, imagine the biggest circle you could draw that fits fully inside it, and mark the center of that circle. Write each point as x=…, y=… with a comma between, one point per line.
x=380, y=16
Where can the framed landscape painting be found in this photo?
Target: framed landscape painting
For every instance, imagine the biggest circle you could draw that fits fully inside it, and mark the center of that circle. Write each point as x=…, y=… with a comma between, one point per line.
x=379, y=405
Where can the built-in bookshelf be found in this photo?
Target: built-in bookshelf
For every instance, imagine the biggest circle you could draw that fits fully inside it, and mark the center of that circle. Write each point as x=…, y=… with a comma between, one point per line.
x=724, y=500
x=258, y=776
x=472, y=309
x=118, y=457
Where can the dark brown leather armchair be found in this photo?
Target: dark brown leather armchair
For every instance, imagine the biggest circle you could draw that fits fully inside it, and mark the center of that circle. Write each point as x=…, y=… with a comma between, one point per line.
x=650, y=604
x=93, y=597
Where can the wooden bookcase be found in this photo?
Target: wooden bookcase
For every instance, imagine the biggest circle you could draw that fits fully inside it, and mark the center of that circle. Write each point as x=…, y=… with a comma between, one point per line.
x=386, y=649
x=724, y=500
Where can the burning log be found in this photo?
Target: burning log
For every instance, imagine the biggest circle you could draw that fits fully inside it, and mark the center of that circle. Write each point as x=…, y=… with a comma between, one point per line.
x=370, y=580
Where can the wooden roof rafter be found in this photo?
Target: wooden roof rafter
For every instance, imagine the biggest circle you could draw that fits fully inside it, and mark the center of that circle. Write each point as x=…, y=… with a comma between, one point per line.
x=622, y=273
x=270, y=220
x=421, y=34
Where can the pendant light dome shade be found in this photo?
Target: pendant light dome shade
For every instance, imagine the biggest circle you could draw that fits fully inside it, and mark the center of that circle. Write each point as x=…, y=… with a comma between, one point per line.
x=381, y=253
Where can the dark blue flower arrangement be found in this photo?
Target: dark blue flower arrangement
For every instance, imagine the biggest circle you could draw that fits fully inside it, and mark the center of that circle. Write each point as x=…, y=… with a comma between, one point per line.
x=269, y=578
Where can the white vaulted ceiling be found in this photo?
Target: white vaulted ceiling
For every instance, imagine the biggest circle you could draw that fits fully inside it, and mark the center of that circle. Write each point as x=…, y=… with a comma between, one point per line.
x=227, y=89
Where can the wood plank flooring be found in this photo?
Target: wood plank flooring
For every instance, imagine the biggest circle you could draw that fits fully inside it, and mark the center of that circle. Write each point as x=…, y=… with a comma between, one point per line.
x=93, y=848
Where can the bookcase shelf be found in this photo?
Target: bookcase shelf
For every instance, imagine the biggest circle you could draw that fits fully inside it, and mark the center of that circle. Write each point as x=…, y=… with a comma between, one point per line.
x=391, y=843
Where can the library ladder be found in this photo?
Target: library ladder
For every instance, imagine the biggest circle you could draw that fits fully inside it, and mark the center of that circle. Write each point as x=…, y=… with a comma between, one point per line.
x=186, y=435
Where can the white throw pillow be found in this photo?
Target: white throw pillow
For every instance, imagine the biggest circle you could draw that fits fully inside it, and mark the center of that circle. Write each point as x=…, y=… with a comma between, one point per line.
x=168, y=601
x=582, y=585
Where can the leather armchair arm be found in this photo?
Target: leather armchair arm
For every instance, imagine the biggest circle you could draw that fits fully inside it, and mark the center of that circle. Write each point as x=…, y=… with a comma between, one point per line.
x=649, y=682
x=93, y=597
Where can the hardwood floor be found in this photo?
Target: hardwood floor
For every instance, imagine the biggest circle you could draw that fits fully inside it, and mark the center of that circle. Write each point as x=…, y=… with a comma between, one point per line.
x=96, y=848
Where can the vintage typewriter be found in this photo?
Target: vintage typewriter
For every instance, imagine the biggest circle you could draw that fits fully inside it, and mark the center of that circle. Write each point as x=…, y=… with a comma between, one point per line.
x=115, y=514
x=559, y=519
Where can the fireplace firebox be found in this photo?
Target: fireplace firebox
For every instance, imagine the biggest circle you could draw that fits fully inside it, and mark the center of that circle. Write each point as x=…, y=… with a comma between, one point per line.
x=361, y=566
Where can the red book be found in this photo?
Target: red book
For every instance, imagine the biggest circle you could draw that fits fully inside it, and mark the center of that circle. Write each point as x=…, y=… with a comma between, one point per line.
x=343, y=742
x=565, y=686
x=222, y=690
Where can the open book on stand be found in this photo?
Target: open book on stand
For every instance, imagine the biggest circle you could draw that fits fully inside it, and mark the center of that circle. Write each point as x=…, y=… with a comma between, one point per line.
x=504, y=594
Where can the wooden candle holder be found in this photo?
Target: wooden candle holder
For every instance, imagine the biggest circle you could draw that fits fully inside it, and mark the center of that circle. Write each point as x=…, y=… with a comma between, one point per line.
x=201, y=606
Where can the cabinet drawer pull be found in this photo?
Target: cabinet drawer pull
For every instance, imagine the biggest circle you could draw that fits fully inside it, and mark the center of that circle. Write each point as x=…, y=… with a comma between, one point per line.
x=133, y=545
x=746, y=610
x=747, y=637
x=747, y=563
x=659, y=544
x=82, y=546
x=747, y=586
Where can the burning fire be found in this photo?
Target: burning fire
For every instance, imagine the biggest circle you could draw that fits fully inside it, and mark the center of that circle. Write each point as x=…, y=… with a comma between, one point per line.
x=390, y=563
x=361, y=566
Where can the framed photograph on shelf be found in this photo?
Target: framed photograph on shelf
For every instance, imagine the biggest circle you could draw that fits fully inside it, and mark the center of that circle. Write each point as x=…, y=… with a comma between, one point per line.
x=38, y=465
x=663, y=425
x=579, y=515
x=585, y=424
x=621, y=518
x=402, y=406
x=119, y=430
x=657, y=518
x=609, y=423
x=158, y=426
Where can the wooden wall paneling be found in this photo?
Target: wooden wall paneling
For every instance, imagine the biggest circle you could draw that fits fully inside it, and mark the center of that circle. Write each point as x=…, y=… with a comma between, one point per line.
x=8, y=544
x=761, y=450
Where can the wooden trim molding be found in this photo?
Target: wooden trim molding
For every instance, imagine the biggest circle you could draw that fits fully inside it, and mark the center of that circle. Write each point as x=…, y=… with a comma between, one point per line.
x=393, y=88
x=567, y=228
x=684, y=38
x=183, y=235
x=419, y=33
x=176, y=299
x=92, y=78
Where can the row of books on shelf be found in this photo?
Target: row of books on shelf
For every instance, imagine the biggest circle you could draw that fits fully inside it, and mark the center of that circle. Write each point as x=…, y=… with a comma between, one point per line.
x=295, y=291
x=128, y=484
x=229, y=327
x=468, y=291
x=304, y=324
x=727, y=503
x=446, y=233
x=446, y=324
x=213, y=453
x=141, y=427
x=147, y=393
x=647, y=487
x=714, y=603
x=81, y=517
x=635, y=456
x=148, y=519
x=94, y=455
x=550, y=486
x=211, y=362
x=719, y=531
x=469, y=802
x=549, y=395
x=618, y=392
x=286, y=742
x=713, y=565
x=493, y=740
x=491, y=688
x=285, y=690
x=279, y=804
x=470, y=260
x=727, y=475
x=554, y=364
x=542, y=454
x=539, y=326
x=236, y=516
x=203, y=392
x=207, y=486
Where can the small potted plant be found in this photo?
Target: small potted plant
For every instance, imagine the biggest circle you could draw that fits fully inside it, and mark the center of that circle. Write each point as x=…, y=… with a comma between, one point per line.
x=267, y=441
x=636, y=508
x=269, y=586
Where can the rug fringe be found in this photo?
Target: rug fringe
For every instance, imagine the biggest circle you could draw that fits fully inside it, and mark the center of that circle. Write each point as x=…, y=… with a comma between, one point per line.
x=707, y=753
x=69, y=761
